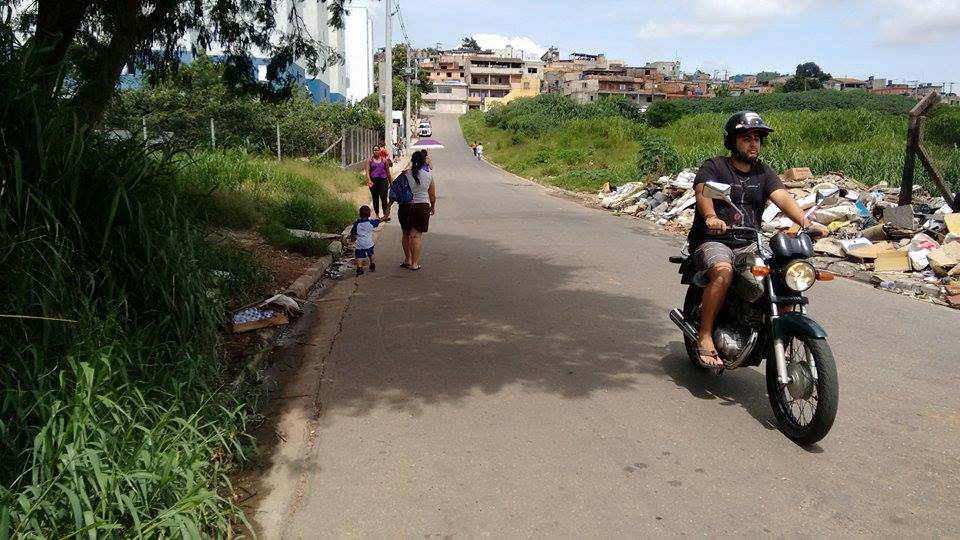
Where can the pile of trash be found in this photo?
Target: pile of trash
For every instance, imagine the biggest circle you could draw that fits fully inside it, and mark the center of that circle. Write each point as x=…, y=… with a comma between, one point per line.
x=912, y=249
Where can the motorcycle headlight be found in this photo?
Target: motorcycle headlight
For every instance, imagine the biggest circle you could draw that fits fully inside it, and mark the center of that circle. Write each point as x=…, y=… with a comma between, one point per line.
x=799, y=275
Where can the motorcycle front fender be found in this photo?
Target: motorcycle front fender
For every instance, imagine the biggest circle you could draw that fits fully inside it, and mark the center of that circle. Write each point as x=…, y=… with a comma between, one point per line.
x=796, y=323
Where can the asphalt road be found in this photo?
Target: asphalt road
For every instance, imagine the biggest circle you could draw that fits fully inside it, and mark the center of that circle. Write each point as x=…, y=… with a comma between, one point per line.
x=527, y=383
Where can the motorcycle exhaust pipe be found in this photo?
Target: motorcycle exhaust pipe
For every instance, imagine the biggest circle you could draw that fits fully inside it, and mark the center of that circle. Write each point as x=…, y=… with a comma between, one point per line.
x=678, y=319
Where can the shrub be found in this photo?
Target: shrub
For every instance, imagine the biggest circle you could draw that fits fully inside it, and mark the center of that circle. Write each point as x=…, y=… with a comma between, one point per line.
x=657, y=157
x=662, y=113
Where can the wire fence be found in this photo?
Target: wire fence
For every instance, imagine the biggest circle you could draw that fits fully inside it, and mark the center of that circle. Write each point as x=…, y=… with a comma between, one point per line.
x=350, y=147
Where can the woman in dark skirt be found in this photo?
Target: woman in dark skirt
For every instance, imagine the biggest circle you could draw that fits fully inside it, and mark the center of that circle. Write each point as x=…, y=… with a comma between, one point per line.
x=415, y=216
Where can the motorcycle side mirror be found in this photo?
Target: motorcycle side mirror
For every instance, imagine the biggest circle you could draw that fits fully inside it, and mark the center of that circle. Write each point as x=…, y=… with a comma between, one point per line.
x=716, y=190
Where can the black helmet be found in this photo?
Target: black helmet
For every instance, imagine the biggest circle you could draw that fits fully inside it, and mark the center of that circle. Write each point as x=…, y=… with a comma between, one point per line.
x=738, y=123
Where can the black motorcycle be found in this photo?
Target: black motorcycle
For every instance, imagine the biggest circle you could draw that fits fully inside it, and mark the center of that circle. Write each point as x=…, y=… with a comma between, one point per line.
x=764, y=317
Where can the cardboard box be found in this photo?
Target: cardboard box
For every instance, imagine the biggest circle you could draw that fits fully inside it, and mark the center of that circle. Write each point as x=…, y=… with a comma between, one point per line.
x=892, y=261
x=872, y=251
x=797, y=173
x=953, y=223
x=946, y=256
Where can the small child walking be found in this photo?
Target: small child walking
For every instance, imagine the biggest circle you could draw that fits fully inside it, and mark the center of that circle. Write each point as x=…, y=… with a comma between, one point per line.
x=362, y=235
x=479, y=151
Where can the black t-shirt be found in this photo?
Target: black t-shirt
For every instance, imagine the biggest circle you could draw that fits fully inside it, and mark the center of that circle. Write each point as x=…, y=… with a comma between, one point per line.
x=749, y=190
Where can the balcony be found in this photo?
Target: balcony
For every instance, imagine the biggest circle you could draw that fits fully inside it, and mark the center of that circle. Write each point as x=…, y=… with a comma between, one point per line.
x=504, y=86
x=483, y=70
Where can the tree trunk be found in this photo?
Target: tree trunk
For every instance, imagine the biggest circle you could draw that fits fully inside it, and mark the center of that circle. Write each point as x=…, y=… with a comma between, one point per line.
x=101, y=73
x=57, y=26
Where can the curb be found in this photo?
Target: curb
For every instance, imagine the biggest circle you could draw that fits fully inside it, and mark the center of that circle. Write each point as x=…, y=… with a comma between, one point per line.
x=300, y=288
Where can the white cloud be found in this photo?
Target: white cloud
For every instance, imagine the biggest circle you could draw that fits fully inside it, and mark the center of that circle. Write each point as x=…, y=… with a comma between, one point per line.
x=712, y=19
x=530, y=48
x=913, y=22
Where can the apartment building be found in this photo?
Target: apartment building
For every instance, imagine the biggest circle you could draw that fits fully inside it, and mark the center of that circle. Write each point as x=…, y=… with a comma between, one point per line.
x=491, y=77
x=446, y=67
x=593, y=85
x=447, y=97
x=845, y=83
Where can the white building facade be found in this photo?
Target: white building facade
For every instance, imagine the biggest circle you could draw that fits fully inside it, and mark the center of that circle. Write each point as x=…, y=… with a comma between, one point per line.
x=358, y=54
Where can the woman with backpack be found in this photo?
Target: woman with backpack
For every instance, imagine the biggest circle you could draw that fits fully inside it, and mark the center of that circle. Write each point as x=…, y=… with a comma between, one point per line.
x=378, y=180
x=415, y=215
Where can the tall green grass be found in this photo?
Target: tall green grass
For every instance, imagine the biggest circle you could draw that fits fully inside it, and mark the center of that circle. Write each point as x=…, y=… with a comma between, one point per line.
x=112, y=422
x=862, y=144
x=236, y=189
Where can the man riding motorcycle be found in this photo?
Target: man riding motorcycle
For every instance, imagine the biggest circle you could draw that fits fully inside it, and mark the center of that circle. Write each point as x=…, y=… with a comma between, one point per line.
x=752, y=184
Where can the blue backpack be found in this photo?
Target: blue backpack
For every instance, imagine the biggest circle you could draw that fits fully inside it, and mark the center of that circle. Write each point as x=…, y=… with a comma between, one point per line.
x=400, y=190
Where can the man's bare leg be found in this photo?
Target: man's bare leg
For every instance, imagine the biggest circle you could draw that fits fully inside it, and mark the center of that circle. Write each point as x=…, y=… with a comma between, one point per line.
x=721, y=277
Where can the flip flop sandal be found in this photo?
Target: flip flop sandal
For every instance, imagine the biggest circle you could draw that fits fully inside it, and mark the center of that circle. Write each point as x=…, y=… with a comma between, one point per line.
x=415, y=268
x=706, y=352
x=404, y=265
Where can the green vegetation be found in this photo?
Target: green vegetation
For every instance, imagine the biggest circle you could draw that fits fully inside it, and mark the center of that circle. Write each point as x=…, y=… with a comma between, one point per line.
x=114, y=418
x=110, y=422
x=180, y=108
x=577, y=148
x=811, y=100
x=235, y=189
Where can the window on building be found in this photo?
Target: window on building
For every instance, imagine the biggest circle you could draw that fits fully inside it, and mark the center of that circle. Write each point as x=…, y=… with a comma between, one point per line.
x=623, y=87
x=584, y=85
x=649, y=99
x=526, y=86
x=449, y=74
x=262, y=73
x=591, y=98
x=444, y=90
x=532, y=71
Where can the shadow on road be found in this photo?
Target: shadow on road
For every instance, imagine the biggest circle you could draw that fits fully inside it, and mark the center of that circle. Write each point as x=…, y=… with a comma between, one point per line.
x=481, y=316
x=745, y=387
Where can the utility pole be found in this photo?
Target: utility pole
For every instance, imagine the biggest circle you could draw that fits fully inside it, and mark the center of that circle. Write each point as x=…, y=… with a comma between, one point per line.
x=409, y=77
x=388, y=76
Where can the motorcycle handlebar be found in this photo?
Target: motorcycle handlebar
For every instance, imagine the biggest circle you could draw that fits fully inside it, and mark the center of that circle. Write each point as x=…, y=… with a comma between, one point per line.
x=813, y=233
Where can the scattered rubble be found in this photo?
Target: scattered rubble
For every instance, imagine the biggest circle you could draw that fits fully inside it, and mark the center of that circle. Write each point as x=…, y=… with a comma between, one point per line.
x=912, y=249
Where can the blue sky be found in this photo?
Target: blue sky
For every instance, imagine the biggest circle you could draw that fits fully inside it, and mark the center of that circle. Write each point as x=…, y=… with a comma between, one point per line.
x=894, y=39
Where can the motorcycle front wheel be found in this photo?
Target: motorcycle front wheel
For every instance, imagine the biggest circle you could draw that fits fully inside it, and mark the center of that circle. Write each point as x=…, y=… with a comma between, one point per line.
x=805, y=408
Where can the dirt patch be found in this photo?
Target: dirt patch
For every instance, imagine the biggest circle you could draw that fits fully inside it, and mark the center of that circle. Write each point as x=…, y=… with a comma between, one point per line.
x=285, y=266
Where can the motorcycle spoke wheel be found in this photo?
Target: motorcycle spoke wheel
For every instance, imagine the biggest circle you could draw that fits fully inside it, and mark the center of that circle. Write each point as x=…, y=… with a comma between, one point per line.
x=805, y=408
x=801, y=410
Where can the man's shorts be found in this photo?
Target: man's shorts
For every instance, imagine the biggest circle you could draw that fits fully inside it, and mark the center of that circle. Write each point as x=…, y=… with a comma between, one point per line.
x=364, y=253
x=709, y=254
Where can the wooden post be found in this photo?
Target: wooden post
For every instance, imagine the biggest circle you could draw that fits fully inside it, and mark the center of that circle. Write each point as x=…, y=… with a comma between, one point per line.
x=913, y=141
x=932, y=170
x=213, y=135
x=278, y=141
x=343, y=148
x=143, y=125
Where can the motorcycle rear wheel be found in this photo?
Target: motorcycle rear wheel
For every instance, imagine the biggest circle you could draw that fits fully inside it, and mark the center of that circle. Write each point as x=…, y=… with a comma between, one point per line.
x=691, y=312
x=807, y=417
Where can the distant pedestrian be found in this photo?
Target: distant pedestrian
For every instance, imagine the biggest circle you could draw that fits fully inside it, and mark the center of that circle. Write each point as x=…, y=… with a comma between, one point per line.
x=473, y=146
x=479, y=151
x=415, y=216
x=362, y=235
x=378, y=180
